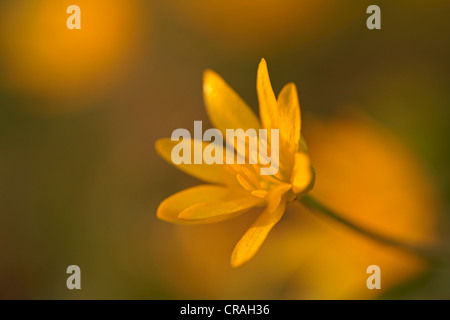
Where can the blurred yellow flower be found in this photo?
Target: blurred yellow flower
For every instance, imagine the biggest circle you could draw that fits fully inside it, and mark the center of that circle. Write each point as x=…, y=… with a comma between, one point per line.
x=237, y=188
x=41, y=57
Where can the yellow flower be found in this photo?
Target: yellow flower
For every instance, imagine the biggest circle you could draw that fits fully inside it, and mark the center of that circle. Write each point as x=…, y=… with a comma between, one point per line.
x=237, y=188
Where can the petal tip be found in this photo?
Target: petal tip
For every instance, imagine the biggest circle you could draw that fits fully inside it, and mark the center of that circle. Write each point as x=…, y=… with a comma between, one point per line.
x=160, y=212
x=158, y=145
x=210, y=80
x=161, y=148
x=290, y=86
x=207, y=74
x=236, y=261
x=262, y=66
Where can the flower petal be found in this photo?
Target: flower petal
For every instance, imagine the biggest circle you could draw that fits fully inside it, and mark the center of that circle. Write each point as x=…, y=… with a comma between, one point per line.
x=214, y=173
x=252, y=240
x=275, y=195
x=235, y=206
x=225, y=108
x=267, y=102
x=302, y=173
x=289, y=117
x=197, y=197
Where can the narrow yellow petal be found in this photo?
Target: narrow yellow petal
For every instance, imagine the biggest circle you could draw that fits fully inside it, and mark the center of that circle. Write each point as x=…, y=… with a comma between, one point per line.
x=289, y=117
x=232, y=207
x=198, y=196
x=302, y=174
x=252, y=240
x=267, y=101
x=214, y=173
x=225, y=108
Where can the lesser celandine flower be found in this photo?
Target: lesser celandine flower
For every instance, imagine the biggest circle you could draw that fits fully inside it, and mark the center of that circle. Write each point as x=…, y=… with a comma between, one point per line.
x=236, y=188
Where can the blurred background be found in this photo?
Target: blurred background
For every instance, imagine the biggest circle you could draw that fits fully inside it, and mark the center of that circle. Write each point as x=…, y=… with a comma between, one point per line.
x=80, y=112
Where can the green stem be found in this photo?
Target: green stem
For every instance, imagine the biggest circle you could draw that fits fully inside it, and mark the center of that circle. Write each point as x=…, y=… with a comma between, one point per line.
x=425, y=253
